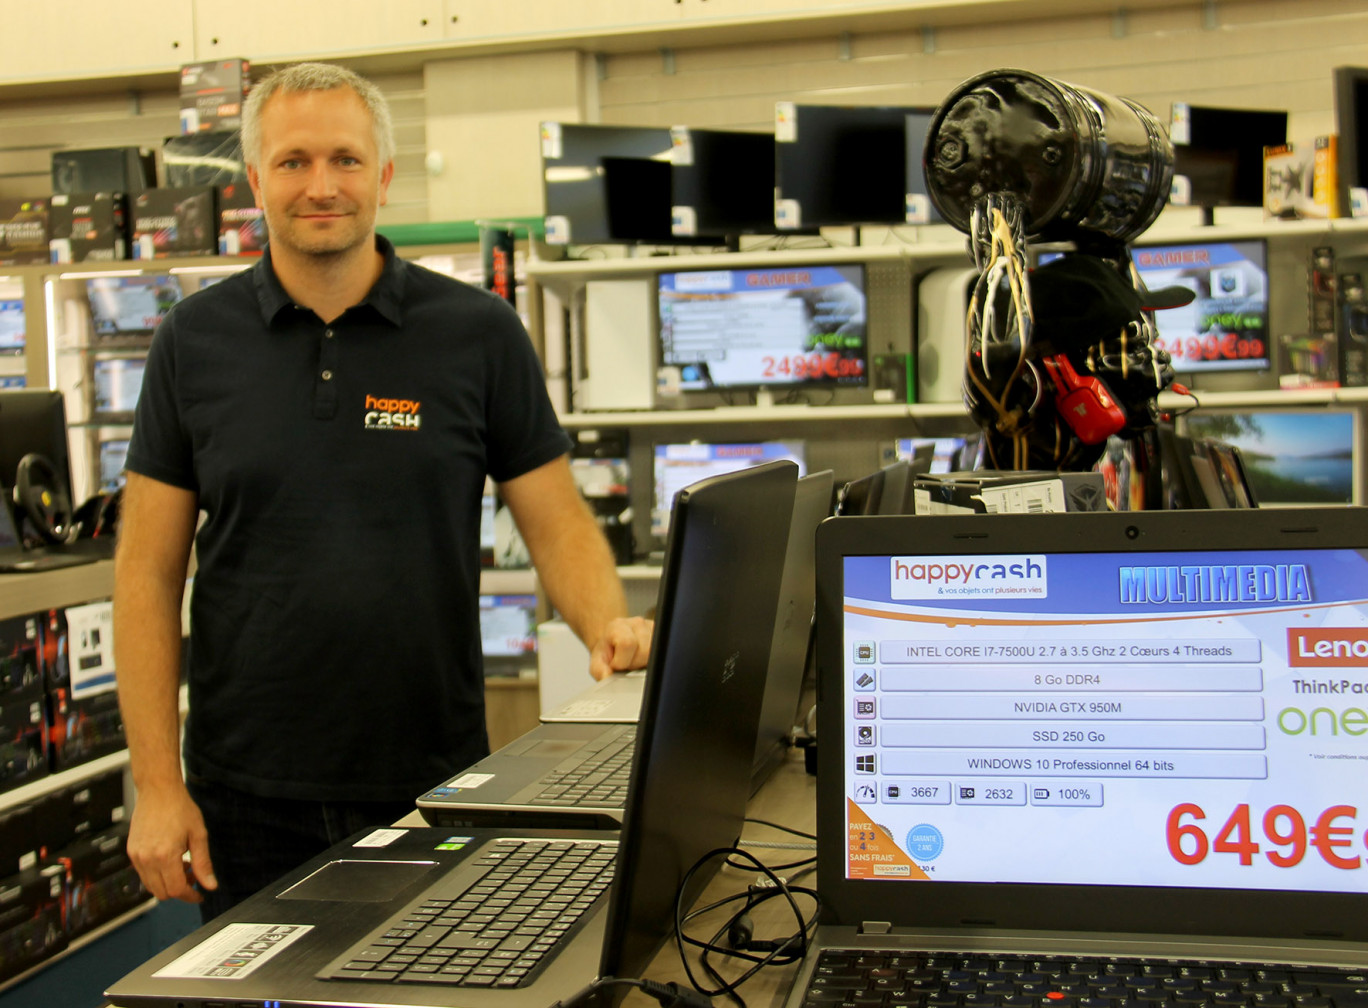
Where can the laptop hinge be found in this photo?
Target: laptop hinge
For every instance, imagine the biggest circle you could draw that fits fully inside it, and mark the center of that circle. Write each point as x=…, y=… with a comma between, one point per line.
x=875, y=927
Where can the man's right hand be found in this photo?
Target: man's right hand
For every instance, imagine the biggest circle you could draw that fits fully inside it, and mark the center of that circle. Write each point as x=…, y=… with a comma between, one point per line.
x=165, y=827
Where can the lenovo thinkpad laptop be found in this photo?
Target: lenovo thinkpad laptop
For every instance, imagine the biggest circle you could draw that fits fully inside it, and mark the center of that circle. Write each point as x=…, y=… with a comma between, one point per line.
x=396, y=917
x=618, y=698
x=571, y=775
x=1132, y=736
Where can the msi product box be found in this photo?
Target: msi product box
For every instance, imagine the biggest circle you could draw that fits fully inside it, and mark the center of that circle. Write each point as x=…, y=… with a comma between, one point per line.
x=31, y=917
x=23, y=734
x=211, y=94
x=21, y=676
x=1352, y=331
x=82, y=729
x=88, y=227
x=19, y=840
x=242, y=224
x=203, y=159
x=174, y=222
x=101, y=882
x=23, y=231
x=53, y=656
x=104, y=169
x=994, y=491
x=1302, y=180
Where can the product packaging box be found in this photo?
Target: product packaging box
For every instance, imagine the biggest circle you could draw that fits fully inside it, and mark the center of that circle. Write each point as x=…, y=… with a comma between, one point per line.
x=104, y=169
x=1310, y=359
x=88, y=227
x=997, y=491
x=1352, y=332
x=23, y=231
x=101, y=882
x=23, y=737
x=203, y=159
x=81, y=729
x=21, y=676
x=1301, y=180
x=31, y=918
x=174, y=222
x=211, y=94
x=242, y=225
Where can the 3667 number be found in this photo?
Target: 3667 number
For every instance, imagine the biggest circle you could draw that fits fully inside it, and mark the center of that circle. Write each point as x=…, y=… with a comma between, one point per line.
x=1281, y=835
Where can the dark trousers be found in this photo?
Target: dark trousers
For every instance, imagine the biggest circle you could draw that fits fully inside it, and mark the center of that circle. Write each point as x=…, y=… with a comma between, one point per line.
x=253, y=841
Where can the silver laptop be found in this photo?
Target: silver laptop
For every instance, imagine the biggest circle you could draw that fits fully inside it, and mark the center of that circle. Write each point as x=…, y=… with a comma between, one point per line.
x=400, y=916
x=1132, y=736
x=618, y=698
x=574, y=774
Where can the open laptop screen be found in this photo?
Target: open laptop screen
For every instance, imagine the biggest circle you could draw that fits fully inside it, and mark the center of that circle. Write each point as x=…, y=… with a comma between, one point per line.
x=1095, y=706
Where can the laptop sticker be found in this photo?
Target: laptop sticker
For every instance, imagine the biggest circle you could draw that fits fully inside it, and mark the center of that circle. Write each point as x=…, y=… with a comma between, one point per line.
x=235, y=952
x=380, y=838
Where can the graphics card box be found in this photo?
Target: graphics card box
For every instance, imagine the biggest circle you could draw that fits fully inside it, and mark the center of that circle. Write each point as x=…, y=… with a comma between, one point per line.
x=23, y=231
x=23, y=737
x=82, y=729
x=1351, y=296
x=174, y=222
x=20, y=673
x=88, y=227
x=104, y=169
x=211, y=94
x=1301, y=180
x=995, y=491
x=31, y=918
x=242, y=224
x=101, y=882
x=203, y=159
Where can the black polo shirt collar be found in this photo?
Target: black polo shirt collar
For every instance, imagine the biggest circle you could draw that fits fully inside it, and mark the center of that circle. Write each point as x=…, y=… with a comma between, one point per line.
x=384, y=297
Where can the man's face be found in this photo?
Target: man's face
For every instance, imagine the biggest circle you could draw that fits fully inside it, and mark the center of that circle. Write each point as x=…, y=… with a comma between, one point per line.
x=319, y=180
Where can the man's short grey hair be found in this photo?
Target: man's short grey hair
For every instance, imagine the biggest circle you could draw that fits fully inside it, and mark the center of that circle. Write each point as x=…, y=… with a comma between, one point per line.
x=301, y=77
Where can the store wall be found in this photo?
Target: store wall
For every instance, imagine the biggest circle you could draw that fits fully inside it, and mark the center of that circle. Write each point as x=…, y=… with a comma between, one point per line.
x=481, y=112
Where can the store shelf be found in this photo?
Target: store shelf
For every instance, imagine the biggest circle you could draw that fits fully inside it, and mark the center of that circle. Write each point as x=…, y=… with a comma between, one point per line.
x=63, y=778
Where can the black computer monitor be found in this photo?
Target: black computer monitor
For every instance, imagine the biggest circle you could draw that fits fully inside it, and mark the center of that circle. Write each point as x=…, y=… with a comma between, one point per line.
x=1219, y=153
x=841, y=165
x=1351, y=106
x=33, y=421
x=722, y=183
x=609, y=184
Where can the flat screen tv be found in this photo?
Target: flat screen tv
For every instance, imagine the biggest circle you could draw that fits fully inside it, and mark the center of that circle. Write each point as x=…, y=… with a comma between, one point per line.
x=508, y=633
x=128, y=307
x=722, y=182
x=12, y=326
x=1218, y=153
x=841, y=165
x=677, y=466
x=1289, y=456
x=796, y=327
x=118, y=380
x=113, y=455
x=1226, y=327
x=608, y=184
x=1351, y=106
x=918, y=209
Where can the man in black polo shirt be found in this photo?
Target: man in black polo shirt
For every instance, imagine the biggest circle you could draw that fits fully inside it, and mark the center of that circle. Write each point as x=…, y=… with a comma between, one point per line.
x=333, y=411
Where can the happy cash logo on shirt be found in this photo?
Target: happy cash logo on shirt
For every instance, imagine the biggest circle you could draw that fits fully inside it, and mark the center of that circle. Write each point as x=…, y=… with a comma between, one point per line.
x=392, y=414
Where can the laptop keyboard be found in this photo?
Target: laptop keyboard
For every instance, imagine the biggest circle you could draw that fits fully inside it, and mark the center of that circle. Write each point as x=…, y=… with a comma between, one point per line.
x=596, y=774
x=500, y=929
x=851, y=978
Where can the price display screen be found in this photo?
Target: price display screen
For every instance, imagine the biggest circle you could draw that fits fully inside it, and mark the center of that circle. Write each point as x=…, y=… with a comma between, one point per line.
x=1145, y=719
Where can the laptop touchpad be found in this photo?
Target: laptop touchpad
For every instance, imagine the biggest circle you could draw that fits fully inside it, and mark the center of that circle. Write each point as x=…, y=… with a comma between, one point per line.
x=550, y=748
x=365, y=881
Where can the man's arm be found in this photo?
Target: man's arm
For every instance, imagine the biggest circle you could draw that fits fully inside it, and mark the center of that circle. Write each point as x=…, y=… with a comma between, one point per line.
x=156, y=528
x=575, y=564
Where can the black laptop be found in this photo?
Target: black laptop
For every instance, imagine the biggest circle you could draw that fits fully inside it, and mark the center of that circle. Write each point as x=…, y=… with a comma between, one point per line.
x=574, y=773
x=406, y=916
x=1093, y=759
